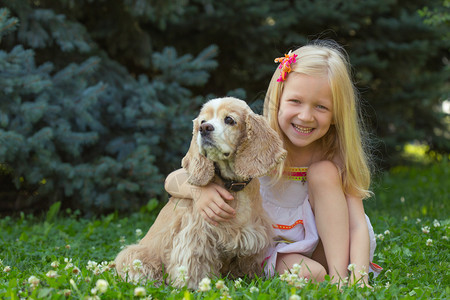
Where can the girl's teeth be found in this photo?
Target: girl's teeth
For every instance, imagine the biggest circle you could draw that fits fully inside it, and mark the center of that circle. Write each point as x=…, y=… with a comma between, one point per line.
x=303, y=129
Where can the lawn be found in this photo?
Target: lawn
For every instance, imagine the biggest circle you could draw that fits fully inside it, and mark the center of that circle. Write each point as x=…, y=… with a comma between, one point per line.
x=61, y=255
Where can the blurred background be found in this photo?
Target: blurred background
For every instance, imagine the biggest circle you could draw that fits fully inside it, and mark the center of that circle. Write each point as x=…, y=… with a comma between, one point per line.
x=97, y=96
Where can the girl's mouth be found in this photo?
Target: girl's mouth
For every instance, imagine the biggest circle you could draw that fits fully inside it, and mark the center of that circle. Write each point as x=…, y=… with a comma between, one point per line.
x=303, y=130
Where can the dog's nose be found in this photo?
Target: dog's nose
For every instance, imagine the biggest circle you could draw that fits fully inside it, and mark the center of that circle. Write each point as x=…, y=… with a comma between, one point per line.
x=206, y=128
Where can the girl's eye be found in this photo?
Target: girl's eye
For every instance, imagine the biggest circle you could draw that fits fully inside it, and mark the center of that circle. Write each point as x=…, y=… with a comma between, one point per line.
x=322, y=107
x=229, y=120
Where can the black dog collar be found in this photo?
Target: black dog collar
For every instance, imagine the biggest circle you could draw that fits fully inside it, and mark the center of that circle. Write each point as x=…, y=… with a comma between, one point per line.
x=232, y=185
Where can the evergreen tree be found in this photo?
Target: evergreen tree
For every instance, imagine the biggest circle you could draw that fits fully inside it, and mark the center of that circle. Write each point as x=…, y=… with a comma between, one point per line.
x=89, y=133
x=107, y=76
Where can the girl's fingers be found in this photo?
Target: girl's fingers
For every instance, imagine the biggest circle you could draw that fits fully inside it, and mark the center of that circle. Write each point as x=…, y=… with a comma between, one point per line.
x=226, y=195
x=219, y=211
x=213, y=217
x=220, y=202
x=207, y=219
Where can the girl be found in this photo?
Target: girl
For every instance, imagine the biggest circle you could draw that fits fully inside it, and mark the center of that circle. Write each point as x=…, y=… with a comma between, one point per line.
x=319, y=219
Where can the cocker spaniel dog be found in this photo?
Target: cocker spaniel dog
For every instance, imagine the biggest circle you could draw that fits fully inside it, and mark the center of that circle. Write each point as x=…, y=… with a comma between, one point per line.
x=230, y=146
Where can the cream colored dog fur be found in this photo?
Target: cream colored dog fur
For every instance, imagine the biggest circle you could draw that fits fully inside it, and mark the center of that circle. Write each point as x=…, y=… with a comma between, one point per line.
x=229, y=137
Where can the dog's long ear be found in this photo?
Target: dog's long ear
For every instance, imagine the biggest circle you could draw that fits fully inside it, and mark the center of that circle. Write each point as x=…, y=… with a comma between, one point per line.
x=260, y=151
x=200, y=169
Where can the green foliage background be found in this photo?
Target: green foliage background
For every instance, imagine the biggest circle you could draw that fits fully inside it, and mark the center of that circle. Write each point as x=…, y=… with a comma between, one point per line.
x=97, y=96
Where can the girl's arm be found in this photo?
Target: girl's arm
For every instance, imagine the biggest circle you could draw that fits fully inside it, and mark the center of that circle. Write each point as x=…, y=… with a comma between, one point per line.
x=359, y=240
x=209, y=200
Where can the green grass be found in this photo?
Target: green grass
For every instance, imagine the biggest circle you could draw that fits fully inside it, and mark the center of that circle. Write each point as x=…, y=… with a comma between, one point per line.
x=408, y=201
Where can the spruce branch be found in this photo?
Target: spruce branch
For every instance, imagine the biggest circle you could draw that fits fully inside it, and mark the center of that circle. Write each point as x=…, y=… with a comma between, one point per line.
x=7, y=24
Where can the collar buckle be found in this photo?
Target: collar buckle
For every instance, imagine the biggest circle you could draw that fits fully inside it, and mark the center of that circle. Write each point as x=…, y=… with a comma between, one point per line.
x=236, y=186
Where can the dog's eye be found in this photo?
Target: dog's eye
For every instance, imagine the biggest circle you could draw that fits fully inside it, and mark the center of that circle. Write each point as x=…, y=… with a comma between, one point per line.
x=229, y=120
x=203, y=121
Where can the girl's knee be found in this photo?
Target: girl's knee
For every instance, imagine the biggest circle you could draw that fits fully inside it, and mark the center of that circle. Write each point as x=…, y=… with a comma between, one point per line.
x=310, y=269
x=314, y=271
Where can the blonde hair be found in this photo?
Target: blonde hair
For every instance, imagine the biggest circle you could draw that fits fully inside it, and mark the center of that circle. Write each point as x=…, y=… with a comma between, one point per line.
x=343, y=141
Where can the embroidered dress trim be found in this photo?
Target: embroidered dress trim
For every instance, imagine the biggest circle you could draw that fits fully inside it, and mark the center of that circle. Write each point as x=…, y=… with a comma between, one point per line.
x=287, y=227
x=297, y=174
x=281, y=240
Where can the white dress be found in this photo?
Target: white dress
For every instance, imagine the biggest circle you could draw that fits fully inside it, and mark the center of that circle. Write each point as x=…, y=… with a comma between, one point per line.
x=293, y=220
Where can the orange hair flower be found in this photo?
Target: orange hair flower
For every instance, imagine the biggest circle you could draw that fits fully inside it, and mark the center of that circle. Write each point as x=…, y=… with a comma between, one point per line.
x=285, y=65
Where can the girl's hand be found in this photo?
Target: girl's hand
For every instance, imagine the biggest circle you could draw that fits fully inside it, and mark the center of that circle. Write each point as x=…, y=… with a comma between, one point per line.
x=210, y=203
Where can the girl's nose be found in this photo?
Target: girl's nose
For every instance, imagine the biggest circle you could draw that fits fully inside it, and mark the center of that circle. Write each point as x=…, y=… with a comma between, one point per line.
x=305, y=115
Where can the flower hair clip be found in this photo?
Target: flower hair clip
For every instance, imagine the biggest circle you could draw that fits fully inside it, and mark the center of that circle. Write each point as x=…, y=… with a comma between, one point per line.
x=285, y=64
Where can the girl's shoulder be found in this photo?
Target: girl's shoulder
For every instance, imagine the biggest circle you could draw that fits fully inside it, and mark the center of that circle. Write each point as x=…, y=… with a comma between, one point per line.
x=325, y=169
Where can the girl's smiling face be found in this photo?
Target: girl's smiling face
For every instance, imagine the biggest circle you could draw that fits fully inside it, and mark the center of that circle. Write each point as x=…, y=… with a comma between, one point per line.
x=305, y=112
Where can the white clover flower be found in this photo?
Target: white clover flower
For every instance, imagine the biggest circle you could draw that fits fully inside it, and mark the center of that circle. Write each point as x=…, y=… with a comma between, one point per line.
x=33, y=281
x=205, y=284
x=91, y=265
x=122, y=239
x=300, y=282
x=405, y=218
x=67, y=292
x=351, y=267
x=67, y=246
x=418, y=221
x=296, y=268
x=387, y=285
x=67, y=260
x=138, y=232
x=220, y=284
x=426, y=229
x=402, y=199
x=225, y=295
x=436, y=223
x=293, y=279
x=295, y=297
x=68, y=266
x=140, y=292
x=94, y=291
x=76, y=271
x=87, y=279
x=137, y=264
x=7, y=269
x=238, y=283
x=101, y=285
x=387, y=232
x=51, y=274
x=254, y=289
x=55, y=264
x=284, y=276
x=182, y=273
x=104, y=266
x=363, y=271
x=445, y=237
x=380, y=236
x=429, y=242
